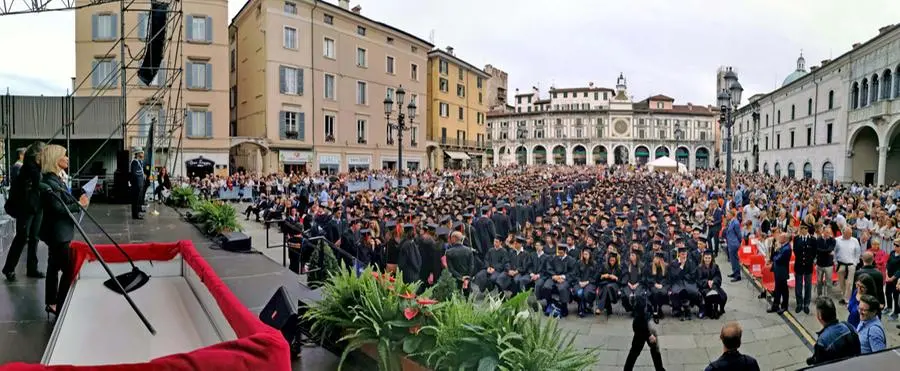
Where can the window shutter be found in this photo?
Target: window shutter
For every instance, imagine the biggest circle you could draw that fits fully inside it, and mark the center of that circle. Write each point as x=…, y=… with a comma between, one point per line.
x=142, y=26
x=189, y=123
x=95, y=23
x=95, y=76
x=209, y=29
x=161, y=130
x=282, y=124
x=189, y=69
x=115, y=25
x=161, y=75
x=281, y=79
x=301, y=125
x=209, y=124
x=299, y=81
x=208, y=76
x=114, y=65
x=190, y=28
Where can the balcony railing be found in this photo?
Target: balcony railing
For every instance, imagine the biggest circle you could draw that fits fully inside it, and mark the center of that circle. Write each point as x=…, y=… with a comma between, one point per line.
x=462, y=143
x=875, y=110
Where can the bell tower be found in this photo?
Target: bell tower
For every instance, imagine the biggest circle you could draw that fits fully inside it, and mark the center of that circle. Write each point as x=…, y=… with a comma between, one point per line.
x=621, y=88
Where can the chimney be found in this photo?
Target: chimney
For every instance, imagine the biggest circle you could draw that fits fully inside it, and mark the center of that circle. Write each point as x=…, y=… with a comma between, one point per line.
x=450, y=50
x=356, y=9
x=824, y=61
x=813, y=68
x=591, y=84
x=856, y=45
x=884, y=29
x=345, y=4
x=690, y=106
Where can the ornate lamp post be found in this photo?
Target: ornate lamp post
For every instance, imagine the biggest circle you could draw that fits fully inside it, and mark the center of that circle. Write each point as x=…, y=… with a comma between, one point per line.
x=400, y=124
x=729, y=100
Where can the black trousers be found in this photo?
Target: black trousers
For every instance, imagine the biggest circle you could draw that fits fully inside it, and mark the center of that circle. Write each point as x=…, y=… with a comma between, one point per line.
x=137, y=199
x=27, y=229
x=780, y=297
x=637, y=346
x=59, y=261
x=892, y=296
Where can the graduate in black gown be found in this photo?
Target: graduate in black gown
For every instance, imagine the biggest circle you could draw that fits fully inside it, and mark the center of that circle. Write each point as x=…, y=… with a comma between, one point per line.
x=709, y=280
x=496, y=262
x=460, y=262
x=558, y=272
x=391, y=246
x=518, y=265
x=608, y=283
x=585, y=290
x=683, y=278
x=534, y=273
x=656, y=279
x=631, y=284
x=431, y=252
x=409, y=260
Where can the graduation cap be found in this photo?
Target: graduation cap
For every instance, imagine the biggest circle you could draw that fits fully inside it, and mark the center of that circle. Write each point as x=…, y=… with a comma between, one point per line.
x=661, y=254
x=707, y=252
x=365, y=231
x=442, y=231
x=698, y=229
x=467, y=215
x=520, y=239
x=445, y=219
x=408, y=226
x=701, y=239
x=562, y=246
x=431, y=227
x=457, y=225
x=390, y=224
x=682, y=250
x=660, y=233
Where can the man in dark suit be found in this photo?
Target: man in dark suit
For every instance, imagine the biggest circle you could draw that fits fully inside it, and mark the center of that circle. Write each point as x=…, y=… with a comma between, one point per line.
x=136, y=179
x=781, y=261
x=804, y=262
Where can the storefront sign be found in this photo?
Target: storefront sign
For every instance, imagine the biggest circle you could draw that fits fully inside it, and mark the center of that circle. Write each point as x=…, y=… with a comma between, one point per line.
x=292, y=157
x=200, y=163
x=330, y=160
x=359, y=160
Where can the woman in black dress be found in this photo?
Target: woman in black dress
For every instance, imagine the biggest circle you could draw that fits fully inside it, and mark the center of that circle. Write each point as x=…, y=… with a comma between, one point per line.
x=586, y=290
x=608, y=283
x=684, y=292
x=657, y=281
x=709, y=280
x=631, y=281
x=57, y=228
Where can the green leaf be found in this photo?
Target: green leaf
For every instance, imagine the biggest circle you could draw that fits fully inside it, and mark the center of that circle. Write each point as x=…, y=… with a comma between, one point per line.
x=411, y=344
x=487, y=364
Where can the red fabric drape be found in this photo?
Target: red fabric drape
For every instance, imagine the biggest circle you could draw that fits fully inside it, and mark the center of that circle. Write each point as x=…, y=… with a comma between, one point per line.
x=258, y=347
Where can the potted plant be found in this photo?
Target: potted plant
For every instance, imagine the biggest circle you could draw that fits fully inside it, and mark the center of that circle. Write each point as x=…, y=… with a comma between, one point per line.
x=182, y=197
x=215, y=217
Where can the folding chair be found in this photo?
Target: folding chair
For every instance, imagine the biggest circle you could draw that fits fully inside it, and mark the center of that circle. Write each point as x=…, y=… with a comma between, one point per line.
x=746, y=252
x=757, y=265
x=768, y=280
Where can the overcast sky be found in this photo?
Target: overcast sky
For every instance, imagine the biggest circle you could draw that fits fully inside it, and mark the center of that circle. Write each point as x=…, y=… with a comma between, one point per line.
x=670, y=47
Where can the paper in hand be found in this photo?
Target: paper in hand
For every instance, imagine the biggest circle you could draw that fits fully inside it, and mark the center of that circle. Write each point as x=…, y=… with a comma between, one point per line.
x=89, y=192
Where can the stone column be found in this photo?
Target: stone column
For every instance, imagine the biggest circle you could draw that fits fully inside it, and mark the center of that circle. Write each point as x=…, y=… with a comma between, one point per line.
x=570, y=160
x=610, y=156
x=882, y=164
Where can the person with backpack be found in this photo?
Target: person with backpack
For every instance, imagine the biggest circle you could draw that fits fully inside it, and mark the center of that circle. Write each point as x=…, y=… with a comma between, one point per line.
x=24, y=204
x=837, y=340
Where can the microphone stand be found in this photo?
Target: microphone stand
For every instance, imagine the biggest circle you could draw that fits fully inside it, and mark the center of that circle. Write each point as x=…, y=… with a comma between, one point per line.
x=109, y=271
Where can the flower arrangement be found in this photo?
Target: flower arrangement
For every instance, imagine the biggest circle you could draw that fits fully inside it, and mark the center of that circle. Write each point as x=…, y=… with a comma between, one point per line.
x=457, y=333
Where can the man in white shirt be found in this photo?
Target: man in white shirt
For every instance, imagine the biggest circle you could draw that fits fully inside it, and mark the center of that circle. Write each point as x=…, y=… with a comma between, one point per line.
x=751, y=213
x=846, y=255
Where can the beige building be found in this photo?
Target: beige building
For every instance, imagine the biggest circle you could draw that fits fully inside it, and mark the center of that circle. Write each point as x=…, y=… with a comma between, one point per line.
x=197, y=97
x=309, y=96
x=497, y=88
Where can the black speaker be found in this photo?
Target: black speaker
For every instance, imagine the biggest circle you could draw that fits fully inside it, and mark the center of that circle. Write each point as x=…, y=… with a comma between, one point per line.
x=156, y=41
x=281, y=314
x=235, y=242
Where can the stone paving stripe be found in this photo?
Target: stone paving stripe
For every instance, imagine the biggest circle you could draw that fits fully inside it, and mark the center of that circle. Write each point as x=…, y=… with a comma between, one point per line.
x=795, y=326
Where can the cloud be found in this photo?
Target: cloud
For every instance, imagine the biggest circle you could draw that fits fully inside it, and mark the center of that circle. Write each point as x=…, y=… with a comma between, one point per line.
x=28, y=85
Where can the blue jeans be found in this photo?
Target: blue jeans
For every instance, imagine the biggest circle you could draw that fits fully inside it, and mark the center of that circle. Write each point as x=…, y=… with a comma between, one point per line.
x=735, y=261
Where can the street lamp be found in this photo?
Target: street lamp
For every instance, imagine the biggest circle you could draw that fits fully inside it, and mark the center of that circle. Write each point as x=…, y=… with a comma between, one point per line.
x=678, y=134
x=729, y=100
x=400, y=126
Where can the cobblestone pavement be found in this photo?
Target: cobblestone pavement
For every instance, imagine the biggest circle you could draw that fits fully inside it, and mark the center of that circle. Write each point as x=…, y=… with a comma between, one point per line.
x=688, y=345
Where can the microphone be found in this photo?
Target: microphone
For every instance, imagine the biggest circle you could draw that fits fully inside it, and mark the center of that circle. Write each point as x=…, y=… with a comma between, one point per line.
x=113, y=280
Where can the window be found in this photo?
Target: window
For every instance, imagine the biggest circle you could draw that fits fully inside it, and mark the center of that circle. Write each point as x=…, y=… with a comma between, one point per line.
x=233, y=60
x=290, y=37
x=104, y=26
x=703, y=135
x=199, y=29
x=443, y=67
x=199, y=75
x=360, y=57
x=160, y=78
x=360, y=30
x=828, y=133
x=777, y=141
x=290, y=80
x=443, y=135
x=290, y=8
x=460, y=91
x=767, y=143
x=659, y=105
x=605, y=96
x=142, y=25
x=390, y=40
x=809, y=107
x=461, y=113
x=361, y=87
x=792, y=139
x=199, y=124
x=445, y=110
x=328, y=19
x=809, y=136
x=414, y=72
x=831, y=99
x=390, y=65
x=329, y=87
x=329, y=127
x=105, y=75
x=480, y=100
x=444, y=85
x=328, y=49
x=361, y=131
x=479, y=82
x=793, y=112
x=767, y=120
x=390, y=134
x=778, y=118
x=293, y=125
x=461, y=74
x=232, y=97
x=413, y=49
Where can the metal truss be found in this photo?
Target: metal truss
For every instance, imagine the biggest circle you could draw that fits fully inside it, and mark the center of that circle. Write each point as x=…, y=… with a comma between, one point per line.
x=11, y=7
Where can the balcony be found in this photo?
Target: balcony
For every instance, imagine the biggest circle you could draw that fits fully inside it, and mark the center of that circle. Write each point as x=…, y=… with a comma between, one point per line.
x=875, y=112
x=462, y=143
x=329, y=139
x=361, y=141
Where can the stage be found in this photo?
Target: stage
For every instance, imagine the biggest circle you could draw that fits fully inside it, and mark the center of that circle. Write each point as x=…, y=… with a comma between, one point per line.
x=253, y=278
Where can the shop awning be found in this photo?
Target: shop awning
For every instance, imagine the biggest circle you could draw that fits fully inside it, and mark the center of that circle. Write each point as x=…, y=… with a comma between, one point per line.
x=642, y=153
x=457, y=155
x=474, y=154
x=702, y=155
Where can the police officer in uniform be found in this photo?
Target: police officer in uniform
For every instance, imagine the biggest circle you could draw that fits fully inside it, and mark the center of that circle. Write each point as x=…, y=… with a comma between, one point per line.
x=136, y=179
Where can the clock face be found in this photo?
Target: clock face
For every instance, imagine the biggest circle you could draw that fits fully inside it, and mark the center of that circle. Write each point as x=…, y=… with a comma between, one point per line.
x=621, y=127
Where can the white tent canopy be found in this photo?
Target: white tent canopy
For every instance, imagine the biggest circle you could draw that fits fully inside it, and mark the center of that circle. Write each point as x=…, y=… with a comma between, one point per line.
x=666, y=164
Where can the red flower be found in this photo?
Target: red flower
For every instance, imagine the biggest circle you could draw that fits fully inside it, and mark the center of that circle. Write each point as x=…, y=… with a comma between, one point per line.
x=426, y=301
x=410, y=313
x=415, y=329
x=408, y=295
x=390, y=287
x=375, y=274
x=391, y=279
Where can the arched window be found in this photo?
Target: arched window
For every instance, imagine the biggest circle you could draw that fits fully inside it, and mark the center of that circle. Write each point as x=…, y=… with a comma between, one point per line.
x=766, y=168
x=864, y=93
x=792, y=171
x=793, y=112
x=873, y=96
x=897, y=82
x=854, y=96
x=807, y=171
x=885, y=85
x=831, y=99
x=777, y=170
x=809, y=107
x=827, y=172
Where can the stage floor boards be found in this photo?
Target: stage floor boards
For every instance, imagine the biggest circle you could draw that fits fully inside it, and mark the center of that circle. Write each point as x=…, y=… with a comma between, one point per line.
x=25, y=331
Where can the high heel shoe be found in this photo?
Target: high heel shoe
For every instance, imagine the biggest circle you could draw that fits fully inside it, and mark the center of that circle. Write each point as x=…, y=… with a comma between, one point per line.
x=50, y=310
